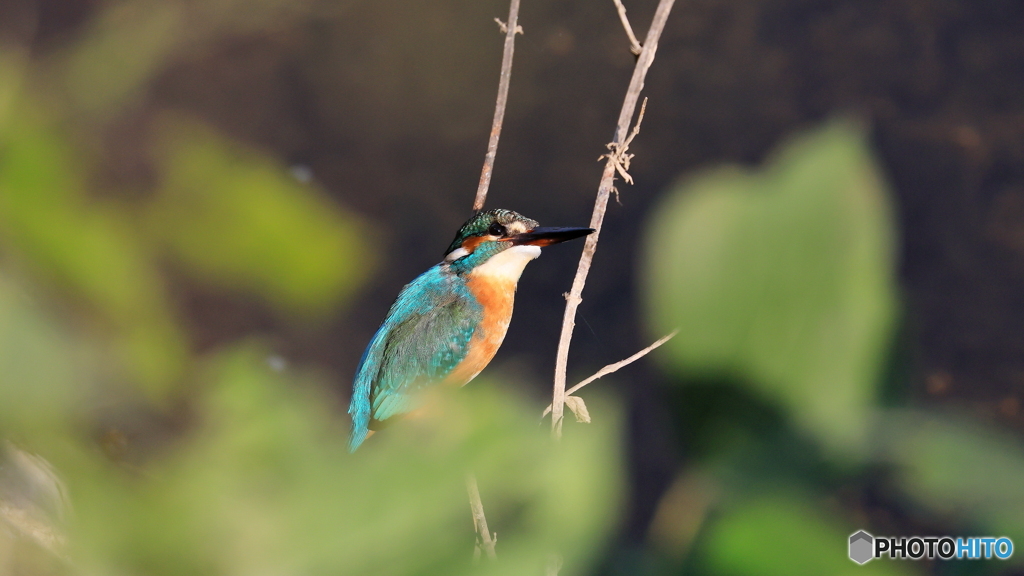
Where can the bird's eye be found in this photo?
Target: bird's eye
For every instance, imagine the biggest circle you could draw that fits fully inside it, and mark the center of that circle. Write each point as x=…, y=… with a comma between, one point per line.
x=497, y=230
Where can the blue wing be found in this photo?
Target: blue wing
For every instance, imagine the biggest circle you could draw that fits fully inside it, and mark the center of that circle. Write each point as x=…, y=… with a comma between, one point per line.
x=424, y=336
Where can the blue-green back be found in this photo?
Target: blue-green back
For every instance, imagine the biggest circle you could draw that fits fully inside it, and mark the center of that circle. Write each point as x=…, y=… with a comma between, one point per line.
x=424, y=336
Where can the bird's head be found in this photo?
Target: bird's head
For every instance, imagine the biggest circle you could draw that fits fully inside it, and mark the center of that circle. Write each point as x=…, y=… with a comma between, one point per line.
x=501, y=242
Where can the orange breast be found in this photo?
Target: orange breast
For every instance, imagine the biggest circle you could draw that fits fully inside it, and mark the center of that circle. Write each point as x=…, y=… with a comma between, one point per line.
x=496, y=298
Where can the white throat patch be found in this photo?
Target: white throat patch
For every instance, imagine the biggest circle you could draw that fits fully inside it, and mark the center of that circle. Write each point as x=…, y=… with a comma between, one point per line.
x=507, y=265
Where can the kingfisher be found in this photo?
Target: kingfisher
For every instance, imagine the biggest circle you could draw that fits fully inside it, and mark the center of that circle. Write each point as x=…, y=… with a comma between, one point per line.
x=448, y=323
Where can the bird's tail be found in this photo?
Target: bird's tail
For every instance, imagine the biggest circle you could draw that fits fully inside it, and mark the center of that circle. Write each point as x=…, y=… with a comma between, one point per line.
x=357, y=437
x=360, y=406
x=360, y=427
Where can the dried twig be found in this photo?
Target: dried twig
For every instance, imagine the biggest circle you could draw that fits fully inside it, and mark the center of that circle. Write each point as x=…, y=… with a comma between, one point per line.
x=504, y=27
x=634, y=44
x=616, y=366
x=617, y=152
x=510, y=29
x=485, y=539
x=574, y=298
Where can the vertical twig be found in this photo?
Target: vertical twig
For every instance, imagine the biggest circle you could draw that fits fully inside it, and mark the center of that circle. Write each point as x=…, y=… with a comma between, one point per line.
x=486, y=540
x=574, y=298
x=511, y=29
x=634, y=44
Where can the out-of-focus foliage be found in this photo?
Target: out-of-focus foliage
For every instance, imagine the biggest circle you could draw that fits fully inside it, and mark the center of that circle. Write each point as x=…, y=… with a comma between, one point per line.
x=266, y=485
x=168, y=461
x=781, y=280
x=955, y=467
x=782, y=534
x=84, y=247
x=782, y=277
x=12, y=65
x=41, y=376
x=129, y=42
x=235, y=219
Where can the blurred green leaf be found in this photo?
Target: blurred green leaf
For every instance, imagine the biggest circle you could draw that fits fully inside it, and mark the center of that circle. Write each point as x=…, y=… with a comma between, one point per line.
x=782, y=277
x=957, y=468
x=237, y=220
x=127, y=43
x=267, y=486
x=41, y=369
x=782, y=535
x=85, y=248
x=13, y=63
x=121, y=49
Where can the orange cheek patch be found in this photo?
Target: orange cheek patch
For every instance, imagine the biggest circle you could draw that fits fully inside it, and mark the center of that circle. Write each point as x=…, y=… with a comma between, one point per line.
x=470, y=244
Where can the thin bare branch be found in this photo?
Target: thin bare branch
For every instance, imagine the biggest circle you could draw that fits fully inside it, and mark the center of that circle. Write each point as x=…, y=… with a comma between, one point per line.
x=485, y=539
x=574, y=298
x=511, y=29
x=634, y=44
x=616, y=366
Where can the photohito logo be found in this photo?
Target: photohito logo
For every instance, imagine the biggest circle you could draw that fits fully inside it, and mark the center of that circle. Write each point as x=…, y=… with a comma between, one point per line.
x=864, y=547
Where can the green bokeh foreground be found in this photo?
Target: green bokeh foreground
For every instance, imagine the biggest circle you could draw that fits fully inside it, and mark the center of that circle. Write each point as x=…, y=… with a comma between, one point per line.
x=123, y=451
x=783, y=277
x=265, y=485
x=781, y=280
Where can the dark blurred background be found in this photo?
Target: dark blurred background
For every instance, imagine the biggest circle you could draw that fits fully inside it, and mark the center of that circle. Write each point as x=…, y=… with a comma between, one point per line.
x=385, y=107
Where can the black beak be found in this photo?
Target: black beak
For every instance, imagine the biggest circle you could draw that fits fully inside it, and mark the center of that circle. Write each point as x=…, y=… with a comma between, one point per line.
x=549, y=236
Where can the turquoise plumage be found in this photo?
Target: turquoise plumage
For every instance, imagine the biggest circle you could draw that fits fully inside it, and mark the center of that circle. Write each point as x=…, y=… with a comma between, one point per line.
x=423, y=337
x=447, y=323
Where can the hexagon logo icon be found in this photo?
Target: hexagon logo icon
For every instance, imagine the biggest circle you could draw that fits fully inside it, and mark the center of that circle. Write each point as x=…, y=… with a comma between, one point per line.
x=861, y=544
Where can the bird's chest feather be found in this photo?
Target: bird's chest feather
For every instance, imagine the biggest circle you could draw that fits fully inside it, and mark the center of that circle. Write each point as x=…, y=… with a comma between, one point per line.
x=496, y=299
x=493, y=285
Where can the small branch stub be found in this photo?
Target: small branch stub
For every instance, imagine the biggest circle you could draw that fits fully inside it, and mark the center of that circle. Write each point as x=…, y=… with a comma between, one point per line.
x=504, y=27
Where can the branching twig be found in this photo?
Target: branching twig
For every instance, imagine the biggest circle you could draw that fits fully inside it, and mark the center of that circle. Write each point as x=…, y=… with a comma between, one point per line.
x=634, y=44
x=504, y=27
x=617, y=152
x=510, y=29
x=574, y=298
x=616, y=366
x=485, y=539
